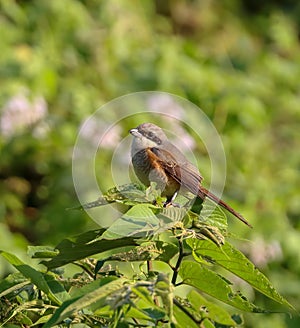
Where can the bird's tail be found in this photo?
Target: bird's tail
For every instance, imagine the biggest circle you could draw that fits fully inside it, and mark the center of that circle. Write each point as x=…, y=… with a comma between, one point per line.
x=203, y=193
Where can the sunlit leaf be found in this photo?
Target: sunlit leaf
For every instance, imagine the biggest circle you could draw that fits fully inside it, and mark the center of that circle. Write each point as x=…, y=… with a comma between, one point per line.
x=137, y=221
x=41, y=252
x=83, y=246
x=13, y=282
x=129, y=194
x=37, y=278
x=209, y=309
x=234, y=261
x=209, y=282
x=72, y=306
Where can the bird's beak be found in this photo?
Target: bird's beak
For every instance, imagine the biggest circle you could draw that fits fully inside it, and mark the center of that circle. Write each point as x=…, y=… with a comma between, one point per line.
x=135, y=132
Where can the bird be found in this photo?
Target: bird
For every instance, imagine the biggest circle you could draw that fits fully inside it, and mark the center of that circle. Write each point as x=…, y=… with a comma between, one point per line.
x=156, y=159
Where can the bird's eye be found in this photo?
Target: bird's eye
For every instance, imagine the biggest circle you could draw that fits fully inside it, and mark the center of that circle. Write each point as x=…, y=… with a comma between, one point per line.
x=150, y=135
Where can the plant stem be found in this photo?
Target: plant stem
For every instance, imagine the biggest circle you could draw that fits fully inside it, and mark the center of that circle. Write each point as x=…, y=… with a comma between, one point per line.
x=149, y=266
x=179, y=260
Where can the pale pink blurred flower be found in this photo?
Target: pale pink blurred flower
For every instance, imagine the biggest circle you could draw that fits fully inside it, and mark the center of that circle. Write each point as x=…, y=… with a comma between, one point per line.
x=20, y=113
x=111, y=137
x=262, y=252
x=90, y=132
x=166, y=104
x=99, y=134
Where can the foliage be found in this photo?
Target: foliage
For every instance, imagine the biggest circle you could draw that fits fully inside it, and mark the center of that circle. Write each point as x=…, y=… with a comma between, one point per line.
x=102, y=294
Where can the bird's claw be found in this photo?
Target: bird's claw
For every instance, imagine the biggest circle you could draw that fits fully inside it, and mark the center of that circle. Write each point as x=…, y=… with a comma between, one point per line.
x=170, y=203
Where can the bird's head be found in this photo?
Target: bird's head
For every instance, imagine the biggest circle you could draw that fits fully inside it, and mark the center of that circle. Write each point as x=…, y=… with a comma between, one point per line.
x=147, y=135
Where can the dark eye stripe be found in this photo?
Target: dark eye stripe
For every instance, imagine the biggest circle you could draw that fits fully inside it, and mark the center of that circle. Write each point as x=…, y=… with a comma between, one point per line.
x=156, y=140
x=151, y=136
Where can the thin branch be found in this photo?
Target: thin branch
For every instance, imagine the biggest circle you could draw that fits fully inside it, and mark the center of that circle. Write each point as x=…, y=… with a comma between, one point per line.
x=179, y=260
x=149, y=266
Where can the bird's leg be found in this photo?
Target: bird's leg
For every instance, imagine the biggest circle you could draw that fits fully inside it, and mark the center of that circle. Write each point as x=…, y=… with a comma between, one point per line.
x=174, y=196
x=170, y=202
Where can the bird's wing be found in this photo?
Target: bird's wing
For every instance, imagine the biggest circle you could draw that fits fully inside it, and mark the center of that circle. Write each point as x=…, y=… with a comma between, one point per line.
x=187, y=175
x=183, y=172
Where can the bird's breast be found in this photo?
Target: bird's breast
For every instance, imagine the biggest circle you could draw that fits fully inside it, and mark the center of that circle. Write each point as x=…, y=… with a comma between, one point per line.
x=147, y=169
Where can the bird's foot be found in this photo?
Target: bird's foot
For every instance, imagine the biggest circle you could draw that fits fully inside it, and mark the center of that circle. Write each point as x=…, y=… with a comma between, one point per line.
x=171, y=203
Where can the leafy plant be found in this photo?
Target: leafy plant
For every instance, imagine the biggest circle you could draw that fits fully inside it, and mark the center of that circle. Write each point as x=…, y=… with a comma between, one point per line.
x=174, y=247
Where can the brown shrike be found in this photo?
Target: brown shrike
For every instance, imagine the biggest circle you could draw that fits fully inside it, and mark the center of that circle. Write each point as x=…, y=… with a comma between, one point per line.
x=156, y=159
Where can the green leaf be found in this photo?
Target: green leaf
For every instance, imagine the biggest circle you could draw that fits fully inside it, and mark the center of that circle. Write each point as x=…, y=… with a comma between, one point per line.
x=37, y=278
x=83, y=246
x=143, y=220
x=153, y=313
x=145, y=303
x=23, y=319
x=207, y=324
x=182, y=318
x=42, y=319
x=167, y=251
x=211, y=215
x=19, y=311
x=145, y=252
x=209, y=309
x=129, y=194
x=170, y=216
x=234, y=261
x=56, y=287
x=98, y=295
x=13, y=282
x=196, y=275
x=150, y=250
x=137, y=221
x=143, y=293
x=76, y=292
x=134, y=192
x=41, y=251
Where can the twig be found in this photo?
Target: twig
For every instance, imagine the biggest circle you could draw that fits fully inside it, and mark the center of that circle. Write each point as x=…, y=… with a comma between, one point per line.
x=149, y=266
x=179, y=260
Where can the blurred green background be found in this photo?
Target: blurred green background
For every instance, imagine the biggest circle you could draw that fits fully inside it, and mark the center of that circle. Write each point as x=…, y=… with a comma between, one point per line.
x=239, y=61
